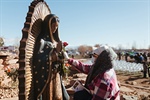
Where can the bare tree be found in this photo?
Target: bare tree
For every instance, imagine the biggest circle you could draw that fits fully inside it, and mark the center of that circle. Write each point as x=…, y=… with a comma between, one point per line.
x=134, y=46
x=119, y=47
x=16, y=42
x=82, y=49
x=149, y=47
x=89, y=48
x=97, y=45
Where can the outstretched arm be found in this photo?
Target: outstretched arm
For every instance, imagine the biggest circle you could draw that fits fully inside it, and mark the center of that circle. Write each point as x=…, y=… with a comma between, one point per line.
x=84, y=68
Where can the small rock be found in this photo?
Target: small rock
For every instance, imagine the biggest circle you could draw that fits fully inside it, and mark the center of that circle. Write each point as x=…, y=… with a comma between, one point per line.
x=125, y=97
x=79, y=75
x=125, y=89
x=133, y=83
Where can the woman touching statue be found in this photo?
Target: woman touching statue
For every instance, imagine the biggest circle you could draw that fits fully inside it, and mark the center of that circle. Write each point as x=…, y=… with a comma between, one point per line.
x=46, y=65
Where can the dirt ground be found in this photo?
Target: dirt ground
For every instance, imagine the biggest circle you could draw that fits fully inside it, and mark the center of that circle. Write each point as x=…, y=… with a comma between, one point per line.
x=125, y=77
x=134, y=81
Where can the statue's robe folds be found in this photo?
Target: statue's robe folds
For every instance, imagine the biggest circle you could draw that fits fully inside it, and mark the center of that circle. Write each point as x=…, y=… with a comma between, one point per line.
x=47, y=81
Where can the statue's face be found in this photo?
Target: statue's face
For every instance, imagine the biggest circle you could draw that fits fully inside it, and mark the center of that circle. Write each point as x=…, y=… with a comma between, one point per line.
x=54, y=27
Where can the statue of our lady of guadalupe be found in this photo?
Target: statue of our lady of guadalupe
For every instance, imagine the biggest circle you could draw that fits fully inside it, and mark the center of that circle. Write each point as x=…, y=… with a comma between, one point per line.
x=47, y=66
x=41, y=56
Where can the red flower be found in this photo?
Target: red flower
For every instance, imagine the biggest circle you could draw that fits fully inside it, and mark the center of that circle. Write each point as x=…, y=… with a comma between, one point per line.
x=65, y=44
x=67, y=65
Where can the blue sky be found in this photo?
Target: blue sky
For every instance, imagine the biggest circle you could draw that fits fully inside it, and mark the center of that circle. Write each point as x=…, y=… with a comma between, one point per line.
x=85, y=22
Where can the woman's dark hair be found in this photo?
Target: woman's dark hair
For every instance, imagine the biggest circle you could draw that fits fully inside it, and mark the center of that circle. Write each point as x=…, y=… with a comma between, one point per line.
x=103, y=62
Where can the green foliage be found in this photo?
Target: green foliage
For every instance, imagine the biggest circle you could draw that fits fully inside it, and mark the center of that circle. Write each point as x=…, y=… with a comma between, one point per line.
x=12, y=72
x=1, y=41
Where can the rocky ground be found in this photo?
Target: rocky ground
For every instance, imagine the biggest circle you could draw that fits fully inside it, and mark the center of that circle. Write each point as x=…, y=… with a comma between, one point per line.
x=132, y=85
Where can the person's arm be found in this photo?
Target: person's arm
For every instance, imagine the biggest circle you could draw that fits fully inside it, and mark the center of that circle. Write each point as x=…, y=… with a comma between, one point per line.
x=84, y=68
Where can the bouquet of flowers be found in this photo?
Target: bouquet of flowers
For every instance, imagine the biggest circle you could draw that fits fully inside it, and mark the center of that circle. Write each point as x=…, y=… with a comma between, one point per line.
x=66, y=70
x=66, y=67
